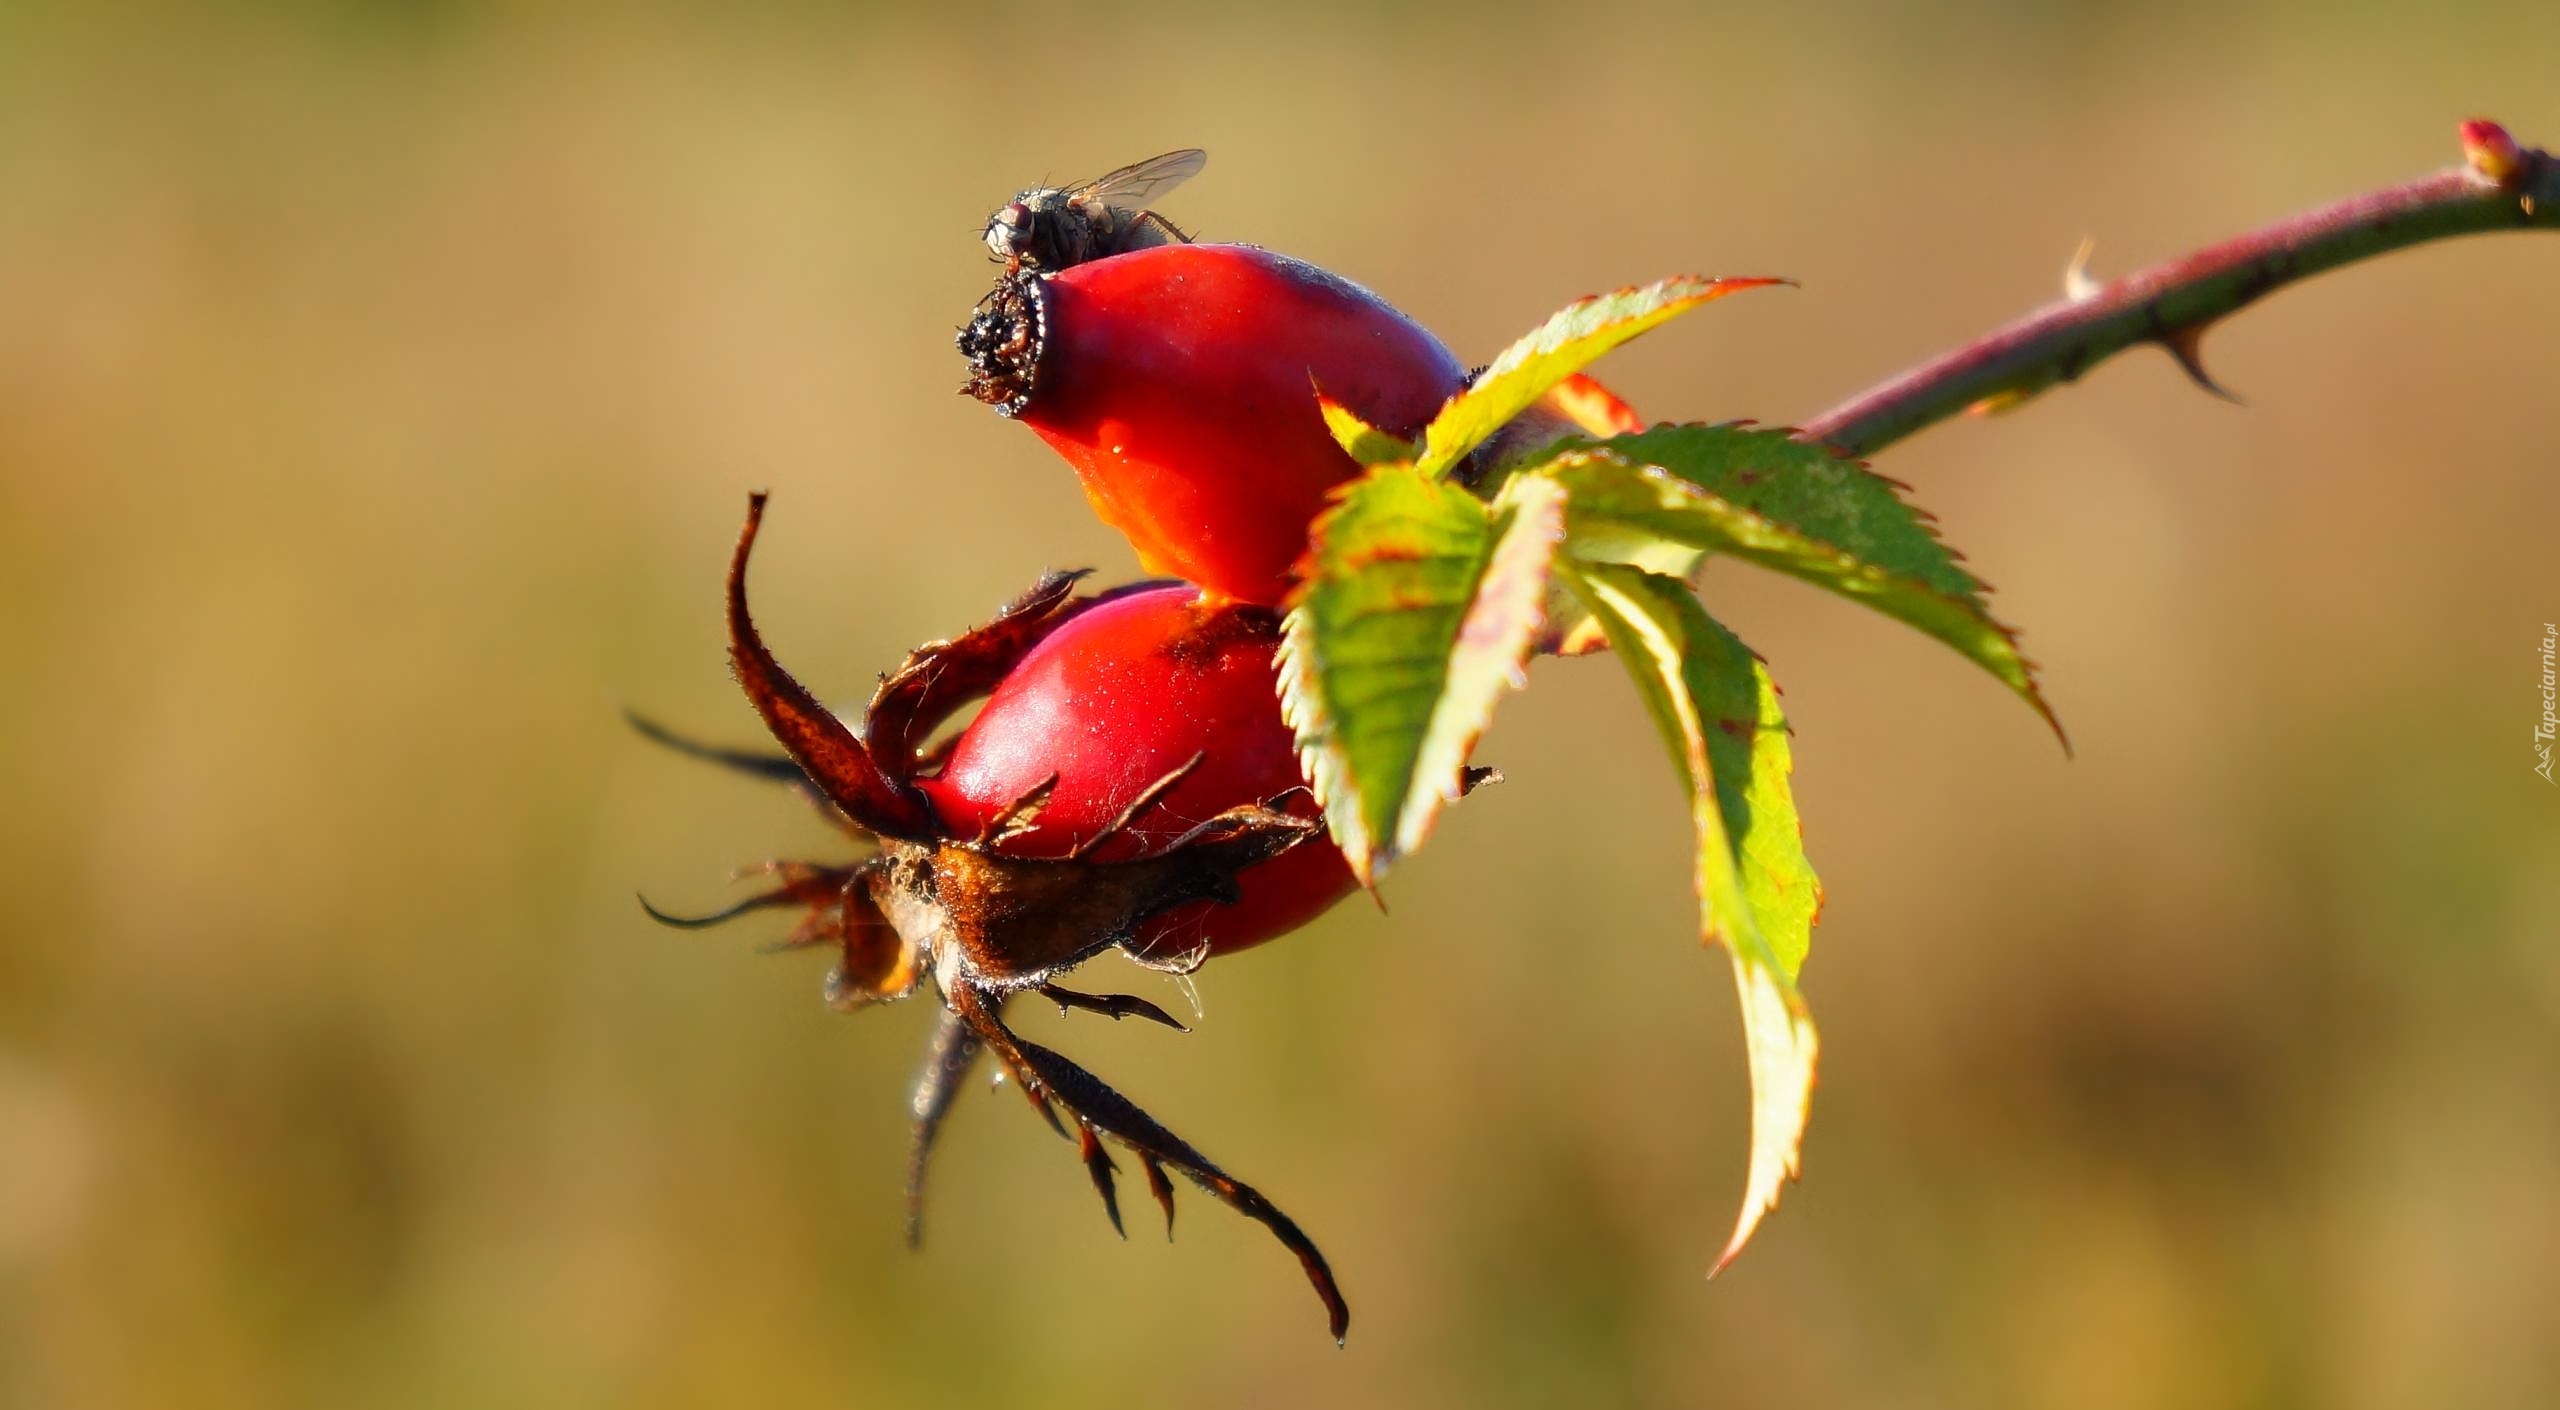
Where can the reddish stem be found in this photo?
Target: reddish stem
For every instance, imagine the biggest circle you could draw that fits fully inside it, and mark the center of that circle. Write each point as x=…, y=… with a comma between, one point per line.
x=2502, y=187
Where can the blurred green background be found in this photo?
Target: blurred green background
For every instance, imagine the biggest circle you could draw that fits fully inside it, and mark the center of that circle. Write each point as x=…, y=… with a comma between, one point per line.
x=380, y=387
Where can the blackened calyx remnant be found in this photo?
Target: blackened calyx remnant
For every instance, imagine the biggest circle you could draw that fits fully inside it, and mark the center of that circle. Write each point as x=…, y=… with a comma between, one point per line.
x=1002, y=341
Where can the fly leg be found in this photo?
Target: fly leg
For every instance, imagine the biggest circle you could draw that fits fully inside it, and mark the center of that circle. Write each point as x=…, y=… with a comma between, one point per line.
x=1145, y=230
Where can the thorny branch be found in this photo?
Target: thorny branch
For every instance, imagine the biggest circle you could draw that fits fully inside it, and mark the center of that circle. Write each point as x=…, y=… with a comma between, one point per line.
x=2501, y=186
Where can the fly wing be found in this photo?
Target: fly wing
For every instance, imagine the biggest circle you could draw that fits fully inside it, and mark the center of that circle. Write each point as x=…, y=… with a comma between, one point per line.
x=1132, y=187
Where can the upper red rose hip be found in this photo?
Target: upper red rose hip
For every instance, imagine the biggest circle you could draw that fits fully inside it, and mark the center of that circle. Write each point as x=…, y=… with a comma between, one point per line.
x=1181, y=381
x=1117, y=697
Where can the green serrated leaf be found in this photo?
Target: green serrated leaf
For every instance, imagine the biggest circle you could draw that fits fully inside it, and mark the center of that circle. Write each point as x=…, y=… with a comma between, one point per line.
x=1753, y=756
x=1360, y=440
x=1568, y=341
x=1718, y=712
x=1416, y=608
x=1621, y=512
x=1810, y=488
x=1571, y=630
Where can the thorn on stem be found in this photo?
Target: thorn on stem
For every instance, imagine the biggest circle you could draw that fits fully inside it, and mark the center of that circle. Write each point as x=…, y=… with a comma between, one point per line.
x=2187, y=347
x=2077, y=285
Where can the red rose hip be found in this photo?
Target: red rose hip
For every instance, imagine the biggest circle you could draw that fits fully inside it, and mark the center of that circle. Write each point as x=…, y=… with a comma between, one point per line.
x=1180, y=383
x=1127, y=693
x=1128, y=785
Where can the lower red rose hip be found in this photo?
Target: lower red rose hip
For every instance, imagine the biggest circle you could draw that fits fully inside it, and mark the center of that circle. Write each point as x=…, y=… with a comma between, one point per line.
x=1121, y=696
x=1122, y=788
x=1180, y=383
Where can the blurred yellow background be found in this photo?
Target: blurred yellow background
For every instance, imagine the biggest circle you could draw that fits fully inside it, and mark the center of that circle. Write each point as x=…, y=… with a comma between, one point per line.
x=380, y=387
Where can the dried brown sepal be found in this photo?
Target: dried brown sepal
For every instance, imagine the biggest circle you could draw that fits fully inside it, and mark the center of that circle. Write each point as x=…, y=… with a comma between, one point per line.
x=802, y=884
x=1013, y=921
x=939, y=677
x=1138, y=808
x=773, y=768
x=823, y=890
x=1098, y=1165
x=875, y=963
x=1097, y=1107
x=830, y=754
x=1159, y=1187
x=754, y=763
x=1112, y=1006
x=983, y=923
x=948, y=1058
x=1019, y=816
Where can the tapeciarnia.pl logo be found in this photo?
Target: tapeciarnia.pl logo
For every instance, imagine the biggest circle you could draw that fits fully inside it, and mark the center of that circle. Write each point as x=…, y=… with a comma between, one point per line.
x=2542, y=733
